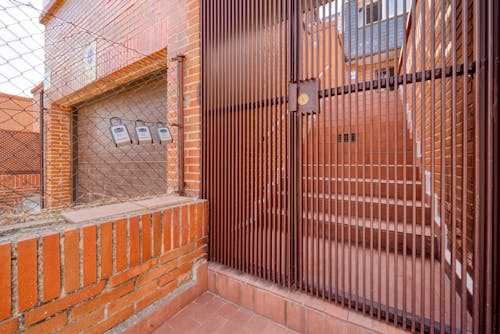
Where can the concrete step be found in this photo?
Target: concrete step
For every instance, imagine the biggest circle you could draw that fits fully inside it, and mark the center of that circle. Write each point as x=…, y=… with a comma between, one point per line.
x=394, y=188
x=383, y=208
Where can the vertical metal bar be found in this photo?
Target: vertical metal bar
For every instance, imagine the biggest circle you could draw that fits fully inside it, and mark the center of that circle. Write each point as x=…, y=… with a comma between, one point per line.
x=309, y=168
x=453, y=290
x=465, y=93
x=433, y=159
x=345, y=296
x=353, y=195
x=423, y=157
x=331, y=219
x=276, y=191
x=247, y=213
x=414, y=175
x=255, y=196
x=380, y=169
x=325, y=181
x=260, y=150
x=338, y=295
x=219, y=117
x=74, y=154
x=240, y=138
x=442, y=175
x=229, y=111
x=372, y=176
x=223, y=132
x=405, y=230
x=42, y=149
x=316, y=42
x=212, y=143
x=396, y=165
x=362, y=134
x=492, y=102
x=346, y=197
x=180, y=124
x=387, y=168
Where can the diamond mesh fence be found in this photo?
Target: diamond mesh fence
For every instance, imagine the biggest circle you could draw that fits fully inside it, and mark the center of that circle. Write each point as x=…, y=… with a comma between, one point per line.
x=87, y=110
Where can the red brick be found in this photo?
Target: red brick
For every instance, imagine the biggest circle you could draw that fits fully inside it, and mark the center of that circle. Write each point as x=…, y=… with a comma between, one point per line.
x=106, y=248
x=112, y=321
x=157, y=237
x=184, y=225
x=146, y=237
x=71, y=260
x=5, y=281
x=121, y=244
x=160, y=293
x=134, y=241
x=58, y=305
x=27, y=273
x=167, y=230
x=132, y=272
x=102, y=300
x=192, y=222
x=89, y=255
x=175, y=274
x=205, y=218
x=155, y=273
x=50, y=325
x=9, y=326
x=51, y=267
x=83, y=323
x=131, y=298
x=199, y=219
x=192, y=256
x=174, y=254
x=156, y=319
x=176, y=227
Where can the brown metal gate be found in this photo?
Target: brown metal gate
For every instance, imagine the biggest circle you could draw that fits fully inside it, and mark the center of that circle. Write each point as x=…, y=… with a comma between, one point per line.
x=340, y=145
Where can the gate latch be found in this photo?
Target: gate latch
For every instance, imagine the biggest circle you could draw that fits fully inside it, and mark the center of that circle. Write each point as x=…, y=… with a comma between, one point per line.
x=303, y=97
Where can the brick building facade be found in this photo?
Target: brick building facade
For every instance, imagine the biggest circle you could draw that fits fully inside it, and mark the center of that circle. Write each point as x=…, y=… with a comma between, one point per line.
x=441, y=129
x=133, y=44
x=19, y=151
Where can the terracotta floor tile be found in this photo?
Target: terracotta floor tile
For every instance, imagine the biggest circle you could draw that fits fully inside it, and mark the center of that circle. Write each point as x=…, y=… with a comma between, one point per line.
x=211, y=314
x=212, y=324
x=273, y=328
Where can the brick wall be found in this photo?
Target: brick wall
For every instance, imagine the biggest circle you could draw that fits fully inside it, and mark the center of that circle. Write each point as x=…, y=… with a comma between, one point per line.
x=18, y=113
x=133, y=40
x=439, y=113
x=13, y=188
x=90, y=278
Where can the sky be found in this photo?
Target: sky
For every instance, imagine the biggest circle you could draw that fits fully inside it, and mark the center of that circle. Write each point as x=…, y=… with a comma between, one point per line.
x=21, y=46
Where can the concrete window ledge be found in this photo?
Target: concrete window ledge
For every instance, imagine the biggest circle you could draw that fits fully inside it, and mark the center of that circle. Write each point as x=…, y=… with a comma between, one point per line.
x=104, y=212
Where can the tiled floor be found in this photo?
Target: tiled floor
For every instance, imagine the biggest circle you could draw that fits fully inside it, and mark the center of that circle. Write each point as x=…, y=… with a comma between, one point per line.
x=212, y=314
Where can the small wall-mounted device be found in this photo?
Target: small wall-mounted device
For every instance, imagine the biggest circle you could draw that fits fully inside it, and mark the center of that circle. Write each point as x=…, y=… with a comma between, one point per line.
x=119, y=132
x=142, y=133
x=163, y=133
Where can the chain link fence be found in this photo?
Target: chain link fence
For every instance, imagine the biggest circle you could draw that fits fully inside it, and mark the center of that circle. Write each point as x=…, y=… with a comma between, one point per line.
x=87, y=111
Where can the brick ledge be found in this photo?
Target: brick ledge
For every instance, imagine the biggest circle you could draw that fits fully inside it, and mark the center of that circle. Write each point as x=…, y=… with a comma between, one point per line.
x=103, y=212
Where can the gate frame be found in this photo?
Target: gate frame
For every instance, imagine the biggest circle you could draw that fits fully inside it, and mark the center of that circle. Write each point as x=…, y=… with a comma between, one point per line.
x=493, y=119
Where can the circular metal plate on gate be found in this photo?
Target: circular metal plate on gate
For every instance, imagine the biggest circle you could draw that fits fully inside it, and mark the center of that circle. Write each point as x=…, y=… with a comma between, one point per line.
x=303, y=99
